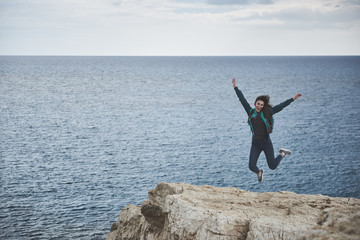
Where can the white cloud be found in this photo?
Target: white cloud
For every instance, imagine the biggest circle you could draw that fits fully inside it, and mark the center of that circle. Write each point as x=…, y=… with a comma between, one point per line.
x=170, y=27
x=239, y=2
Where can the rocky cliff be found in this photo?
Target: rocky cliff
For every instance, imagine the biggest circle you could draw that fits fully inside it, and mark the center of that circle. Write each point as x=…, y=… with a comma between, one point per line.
x=184, y=212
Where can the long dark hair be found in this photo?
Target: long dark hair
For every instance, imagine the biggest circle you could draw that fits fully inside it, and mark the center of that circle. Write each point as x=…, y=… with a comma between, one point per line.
x=267, y=106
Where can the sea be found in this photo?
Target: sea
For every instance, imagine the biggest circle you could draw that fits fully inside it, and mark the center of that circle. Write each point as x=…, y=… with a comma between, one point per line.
x=83, y=137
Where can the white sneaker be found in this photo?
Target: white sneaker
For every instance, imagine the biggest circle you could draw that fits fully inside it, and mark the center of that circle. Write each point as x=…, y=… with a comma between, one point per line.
x=285, y=151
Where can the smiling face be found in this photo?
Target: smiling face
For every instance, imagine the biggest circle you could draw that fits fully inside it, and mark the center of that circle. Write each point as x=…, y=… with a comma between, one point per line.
x=259, y=105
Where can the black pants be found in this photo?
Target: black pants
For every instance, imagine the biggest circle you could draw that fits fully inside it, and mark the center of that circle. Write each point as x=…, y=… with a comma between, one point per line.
x=257, y=147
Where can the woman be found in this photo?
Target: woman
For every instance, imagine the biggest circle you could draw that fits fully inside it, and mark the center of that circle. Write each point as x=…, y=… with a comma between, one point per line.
x=261, y=123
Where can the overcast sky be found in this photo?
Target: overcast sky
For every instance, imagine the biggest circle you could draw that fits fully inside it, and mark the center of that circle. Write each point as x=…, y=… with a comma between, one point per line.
x=179, y=27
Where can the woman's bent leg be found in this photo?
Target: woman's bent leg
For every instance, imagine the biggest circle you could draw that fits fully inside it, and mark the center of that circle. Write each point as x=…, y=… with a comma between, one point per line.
x=269, y=153
x=254, y=156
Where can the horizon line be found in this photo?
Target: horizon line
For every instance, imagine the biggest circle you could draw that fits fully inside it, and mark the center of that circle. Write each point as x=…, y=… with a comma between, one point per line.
x=255, y=55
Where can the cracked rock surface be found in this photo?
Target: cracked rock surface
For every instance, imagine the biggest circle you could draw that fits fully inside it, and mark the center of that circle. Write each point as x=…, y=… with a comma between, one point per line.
x=182, y=211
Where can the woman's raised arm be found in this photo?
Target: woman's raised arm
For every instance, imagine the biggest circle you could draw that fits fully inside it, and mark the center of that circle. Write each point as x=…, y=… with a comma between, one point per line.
x=241, y=97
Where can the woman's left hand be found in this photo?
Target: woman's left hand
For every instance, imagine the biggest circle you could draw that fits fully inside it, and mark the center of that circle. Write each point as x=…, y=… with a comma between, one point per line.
x=297, y=96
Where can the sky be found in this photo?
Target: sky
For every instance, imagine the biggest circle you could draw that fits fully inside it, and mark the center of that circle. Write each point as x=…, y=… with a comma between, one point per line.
x=179, y=27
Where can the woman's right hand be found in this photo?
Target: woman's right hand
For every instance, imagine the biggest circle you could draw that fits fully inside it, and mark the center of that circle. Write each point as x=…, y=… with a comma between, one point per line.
x=234, y=82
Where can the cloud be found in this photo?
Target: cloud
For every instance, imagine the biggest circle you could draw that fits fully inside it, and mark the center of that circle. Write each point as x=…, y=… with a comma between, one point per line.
x=172, y=27
x=239, y=2
x=301, y=17
x=287, y=14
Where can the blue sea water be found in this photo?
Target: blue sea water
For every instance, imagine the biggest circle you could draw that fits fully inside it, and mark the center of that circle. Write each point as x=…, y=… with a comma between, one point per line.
x=82, y=137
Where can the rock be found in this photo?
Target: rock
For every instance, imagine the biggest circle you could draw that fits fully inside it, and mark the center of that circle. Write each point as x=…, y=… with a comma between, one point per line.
x=180, y=211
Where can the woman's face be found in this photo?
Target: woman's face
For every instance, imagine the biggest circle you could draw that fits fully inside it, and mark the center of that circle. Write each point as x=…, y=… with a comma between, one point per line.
x=259, y=105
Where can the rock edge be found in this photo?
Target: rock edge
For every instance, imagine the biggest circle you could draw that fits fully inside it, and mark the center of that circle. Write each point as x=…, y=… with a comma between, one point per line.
x=182, y=211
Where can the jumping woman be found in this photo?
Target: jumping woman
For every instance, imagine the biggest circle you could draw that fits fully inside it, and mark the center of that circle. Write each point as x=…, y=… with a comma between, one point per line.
x=261, y=123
